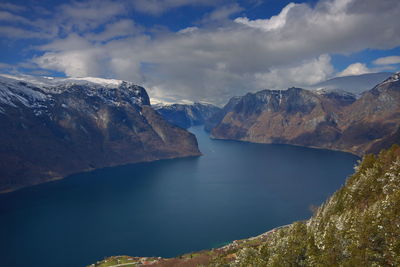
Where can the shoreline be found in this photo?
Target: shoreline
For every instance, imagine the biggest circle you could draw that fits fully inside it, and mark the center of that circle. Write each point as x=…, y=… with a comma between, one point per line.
x=61, y=177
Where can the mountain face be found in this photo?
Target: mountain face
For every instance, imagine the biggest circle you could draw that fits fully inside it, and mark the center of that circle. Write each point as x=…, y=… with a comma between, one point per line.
x=359, y=225
x=355, y=84
x=55, y=127
x=216, y=118
x=330, y=119
x=186, y=115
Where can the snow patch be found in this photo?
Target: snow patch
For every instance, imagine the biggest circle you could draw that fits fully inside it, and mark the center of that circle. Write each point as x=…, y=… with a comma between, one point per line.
x=325, y=91
x=394, y=78
x=54, y=81
x=14, y=91
x=101, y=81
x=35, y=92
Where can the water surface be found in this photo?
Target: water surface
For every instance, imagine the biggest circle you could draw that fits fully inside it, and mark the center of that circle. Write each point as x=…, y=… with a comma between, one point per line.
x=166, y=208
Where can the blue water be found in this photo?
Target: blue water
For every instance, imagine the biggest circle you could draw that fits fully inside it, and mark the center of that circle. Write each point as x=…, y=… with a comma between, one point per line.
x=166, y=208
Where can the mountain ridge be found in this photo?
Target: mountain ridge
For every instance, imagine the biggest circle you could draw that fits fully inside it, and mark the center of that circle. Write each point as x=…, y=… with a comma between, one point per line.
x=321, y=119
x=52, y=130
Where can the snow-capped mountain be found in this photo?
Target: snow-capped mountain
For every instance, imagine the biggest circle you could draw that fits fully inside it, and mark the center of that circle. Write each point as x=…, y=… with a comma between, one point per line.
x=345, y=98
x=355, y=84
x=38, y=92
x=52, y=127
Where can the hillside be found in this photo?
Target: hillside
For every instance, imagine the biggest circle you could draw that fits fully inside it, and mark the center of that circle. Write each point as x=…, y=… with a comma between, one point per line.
x=55, y=127
x=330, y=119
x=358, y=226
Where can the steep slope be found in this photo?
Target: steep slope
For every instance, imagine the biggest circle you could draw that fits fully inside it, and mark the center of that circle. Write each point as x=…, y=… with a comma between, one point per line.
x=358, y=226
x=217, y=117
x=55, y=127
x=293, y=116
x=355, y=84
x=330, y=119
x=187, y=115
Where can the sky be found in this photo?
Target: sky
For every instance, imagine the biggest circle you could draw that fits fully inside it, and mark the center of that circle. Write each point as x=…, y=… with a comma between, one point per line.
x=200, y=50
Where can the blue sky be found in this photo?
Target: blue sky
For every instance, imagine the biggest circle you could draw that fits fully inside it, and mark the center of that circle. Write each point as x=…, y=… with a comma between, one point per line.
x=201, y=49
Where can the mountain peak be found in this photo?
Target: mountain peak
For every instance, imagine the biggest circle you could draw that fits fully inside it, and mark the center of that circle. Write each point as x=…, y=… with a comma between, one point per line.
x=44, y=81
x=394, y=78
x=39, y=92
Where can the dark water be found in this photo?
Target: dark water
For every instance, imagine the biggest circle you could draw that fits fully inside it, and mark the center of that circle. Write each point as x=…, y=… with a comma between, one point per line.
x=167, y=208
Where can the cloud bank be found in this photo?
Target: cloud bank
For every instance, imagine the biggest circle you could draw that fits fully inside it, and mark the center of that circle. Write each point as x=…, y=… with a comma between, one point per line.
x=387, y=60
x=214, y=61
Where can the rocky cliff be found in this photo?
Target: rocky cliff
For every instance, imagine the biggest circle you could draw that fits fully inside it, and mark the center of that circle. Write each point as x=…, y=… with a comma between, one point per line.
x=187, y=115
x=217, y=117
x=329, y=119
x=51, y=128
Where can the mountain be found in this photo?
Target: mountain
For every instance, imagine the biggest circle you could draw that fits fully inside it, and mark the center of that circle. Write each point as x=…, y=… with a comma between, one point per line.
x=213, y=120
x=331, y=119
x=187, y=115
x=359, y=225
x=355, y=84
x=53, y=127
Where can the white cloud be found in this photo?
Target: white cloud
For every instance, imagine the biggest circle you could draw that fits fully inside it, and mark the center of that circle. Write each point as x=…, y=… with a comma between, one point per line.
x=355, y=69
x=88, y=15
x=213, y=63
x=5, y=65
x=387, y=60
x=12, y=7
x=384, y=64
x=221, y=13
x=274, y=23
x=188, y=30
x=157, y=7
x=304, y=74
x=9, y=17
x=73, y=63
x=14, y=32
x=118, y=29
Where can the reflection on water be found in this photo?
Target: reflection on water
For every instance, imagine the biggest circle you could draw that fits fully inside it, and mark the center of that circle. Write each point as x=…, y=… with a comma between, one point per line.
x=165, y=208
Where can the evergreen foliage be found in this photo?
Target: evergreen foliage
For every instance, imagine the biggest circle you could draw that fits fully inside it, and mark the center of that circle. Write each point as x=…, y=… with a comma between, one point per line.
x=358, y=226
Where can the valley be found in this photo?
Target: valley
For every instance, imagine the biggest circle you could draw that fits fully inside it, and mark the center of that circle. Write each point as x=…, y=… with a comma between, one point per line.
x=169, y=207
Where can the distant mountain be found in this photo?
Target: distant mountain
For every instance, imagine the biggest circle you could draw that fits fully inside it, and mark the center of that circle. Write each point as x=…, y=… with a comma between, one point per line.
x=331, y=119
x=355, y=84
x=53, y=127
x=187, y=115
